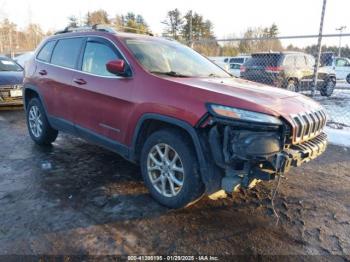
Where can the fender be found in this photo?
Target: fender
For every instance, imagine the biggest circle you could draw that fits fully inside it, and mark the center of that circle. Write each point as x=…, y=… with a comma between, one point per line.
x=36, y=90
x=206, y=171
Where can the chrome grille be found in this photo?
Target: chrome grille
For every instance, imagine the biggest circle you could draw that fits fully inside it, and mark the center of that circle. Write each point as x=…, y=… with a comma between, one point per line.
x=309, y=124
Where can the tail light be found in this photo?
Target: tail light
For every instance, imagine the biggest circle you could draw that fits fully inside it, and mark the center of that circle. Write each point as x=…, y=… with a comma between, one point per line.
x=273, y=69
x=242, y=69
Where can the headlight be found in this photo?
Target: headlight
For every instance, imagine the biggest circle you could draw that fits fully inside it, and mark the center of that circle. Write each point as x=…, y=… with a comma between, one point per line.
x=244, y=115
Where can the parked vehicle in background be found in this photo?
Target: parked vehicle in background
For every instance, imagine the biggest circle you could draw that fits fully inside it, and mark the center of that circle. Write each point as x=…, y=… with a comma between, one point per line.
x=234, y=69
x=240, y=59
x=236, y=63
x=23, y=58
x=341, y=65
x=193, y=128
x=289, y=70
x=220, y=63
x=231, y=64
x=218, y=59
x=11, y=79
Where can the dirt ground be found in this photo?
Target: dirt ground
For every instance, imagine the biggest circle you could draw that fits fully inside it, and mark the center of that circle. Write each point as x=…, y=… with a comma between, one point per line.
x=76, y=198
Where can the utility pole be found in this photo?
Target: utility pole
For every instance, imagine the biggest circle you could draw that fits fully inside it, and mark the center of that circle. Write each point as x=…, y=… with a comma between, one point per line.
x=10, y=42
x=191, y=35
x=319, y=47
x=340, y=29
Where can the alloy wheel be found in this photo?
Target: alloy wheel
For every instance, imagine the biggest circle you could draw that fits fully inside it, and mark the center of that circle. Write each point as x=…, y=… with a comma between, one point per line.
x=165, y=170
x=35, y=121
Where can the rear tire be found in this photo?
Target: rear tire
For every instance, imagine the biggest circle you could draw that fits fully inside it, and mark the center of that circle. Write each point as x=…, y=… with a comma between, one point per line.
x=292, y=85
x=38, y=126
x=328, y=87
x=170, y=170
x=348, y=79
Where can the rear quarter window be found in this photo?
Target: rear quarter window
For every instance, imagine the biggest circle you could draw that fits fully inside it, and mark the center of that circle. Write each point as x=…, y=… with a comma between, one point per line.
x=45, y=52
x=66, y=52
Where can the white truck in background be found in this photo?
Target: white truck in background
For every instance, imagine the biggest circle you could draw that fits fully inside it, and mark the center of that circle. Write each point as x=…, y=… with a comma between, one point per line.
x=341, y=65
x=232, y=64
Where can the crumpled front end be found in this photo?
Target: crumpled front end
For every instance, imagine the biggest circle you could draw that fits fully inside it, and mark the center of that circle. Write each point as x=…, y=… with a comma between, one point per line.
x=248, y=153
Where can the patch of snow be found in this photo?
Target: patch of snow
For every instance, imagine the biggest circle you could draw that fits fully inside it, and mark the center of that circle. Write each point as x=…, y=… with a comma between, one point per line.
x=340, y=137
x=337, y=106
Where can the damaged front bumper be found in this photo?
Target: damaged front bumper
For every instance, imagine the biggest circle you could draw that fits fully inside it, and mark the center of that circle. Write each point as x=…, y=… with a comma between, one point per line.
x=255, y=154
x=306, y=151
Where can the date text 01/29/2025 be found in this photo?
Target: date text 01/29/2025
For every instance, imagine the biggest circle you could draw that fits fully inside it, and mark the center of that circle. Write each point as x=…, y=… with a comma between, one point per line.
x=173, y=258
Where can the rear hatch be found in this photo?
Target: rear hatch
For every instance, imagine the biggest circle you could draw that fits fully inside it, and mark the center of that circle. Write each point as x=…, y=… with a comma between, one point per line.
x=261, y=67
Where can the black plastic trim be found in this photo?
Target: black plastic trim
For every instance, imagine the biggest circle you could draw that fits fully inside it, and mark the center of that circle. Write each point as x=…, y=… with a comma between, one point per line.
x=182, y=124
x=91, y=136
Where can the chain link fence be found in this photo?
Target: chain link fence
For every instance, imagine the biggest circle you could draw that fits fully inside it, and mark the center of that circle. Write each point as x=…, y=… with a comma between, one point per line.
x=289, y=63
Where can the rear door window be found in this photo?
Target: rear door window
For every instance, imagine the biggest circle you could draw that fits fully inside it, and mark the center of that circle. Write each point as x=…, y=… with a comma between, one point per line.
x=46, y=51
x=66, y=52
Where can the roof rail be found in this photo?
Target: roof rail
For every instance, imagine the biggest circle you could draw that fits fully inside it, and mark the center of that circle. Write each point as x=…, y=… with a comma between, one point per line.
x=96, y=27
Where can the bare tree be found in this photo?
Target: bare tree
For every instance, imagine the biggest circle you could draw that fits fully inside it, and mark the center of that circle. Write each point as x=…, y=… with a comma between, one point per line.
x=97, y=17
x=174, y=22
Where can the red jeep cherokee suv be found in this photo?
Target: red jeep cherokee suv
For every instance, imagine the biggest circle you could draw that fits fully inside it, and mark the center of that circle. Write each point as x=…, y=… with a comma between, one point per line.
x=192, y=127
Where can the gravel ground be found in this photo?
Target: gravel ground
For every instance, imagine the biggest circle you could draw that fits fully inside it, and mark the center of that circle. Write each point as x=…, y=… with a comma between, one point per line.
x=76, y=198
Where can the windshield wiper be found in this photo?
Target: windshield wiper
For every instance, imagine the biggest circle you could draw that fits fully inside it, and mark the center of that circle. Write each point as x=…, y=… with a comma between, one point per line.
x=169, y=73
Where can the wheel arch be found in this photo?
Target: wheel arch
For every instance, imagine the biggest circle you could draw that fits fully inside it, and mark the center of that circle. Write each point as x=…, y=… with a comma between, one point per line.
x=150, y=123
x=29, y=92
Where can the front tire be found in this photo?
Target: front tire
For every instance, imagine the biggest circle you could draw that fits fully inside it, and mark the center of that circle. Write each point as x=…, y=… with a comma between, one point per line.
x=328, y=87
x=348, y=79
x=38, y=126
x=170, y=169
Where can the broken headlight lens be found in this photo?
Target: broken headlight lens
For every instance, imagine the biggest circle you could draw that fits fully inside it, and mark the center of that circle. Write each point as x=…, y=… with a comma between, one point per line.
x=244, y=115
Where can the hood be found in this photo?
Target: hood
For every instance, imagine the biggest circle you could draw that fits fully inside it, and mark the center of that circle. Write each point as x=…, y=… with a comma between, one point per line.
x=11, y=78
x=248, y=95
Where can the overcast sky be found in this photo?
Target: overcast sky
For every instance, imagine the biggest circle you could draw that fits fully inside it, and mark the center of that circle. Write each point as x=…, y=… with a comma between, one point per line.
x=230, y=17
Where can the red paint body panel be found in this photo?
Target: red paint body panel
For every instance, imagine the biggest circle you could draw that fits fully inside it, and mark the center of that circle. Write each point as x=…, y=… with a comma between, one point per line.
x=106, y=105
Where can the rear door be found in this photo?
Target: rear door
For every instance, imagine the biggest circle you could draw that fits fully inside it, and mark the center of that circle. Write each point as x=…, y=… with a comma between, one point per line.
x=56, y=75
x=102, y=100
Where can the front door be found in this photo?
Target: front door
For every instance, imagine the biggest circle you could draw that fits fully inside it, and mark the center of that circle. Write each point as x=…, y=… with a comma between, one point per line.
x=102, y=100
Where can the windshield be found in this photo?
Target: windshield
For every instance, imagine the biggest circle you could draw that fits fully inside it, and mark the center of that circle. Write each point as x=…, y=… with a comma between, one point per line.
x=7, y=64
x=173, y=59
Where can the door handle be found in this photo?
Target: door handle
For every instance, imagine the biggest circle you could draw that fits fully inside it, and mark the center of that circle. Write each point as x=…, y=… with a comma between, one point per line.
x=43, y=72
x=79, y=81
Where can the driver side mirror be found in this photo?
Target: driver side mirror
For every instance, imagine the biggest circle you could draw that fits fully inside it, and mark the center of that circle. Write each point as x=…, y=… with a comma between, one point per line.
x=116, y=67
